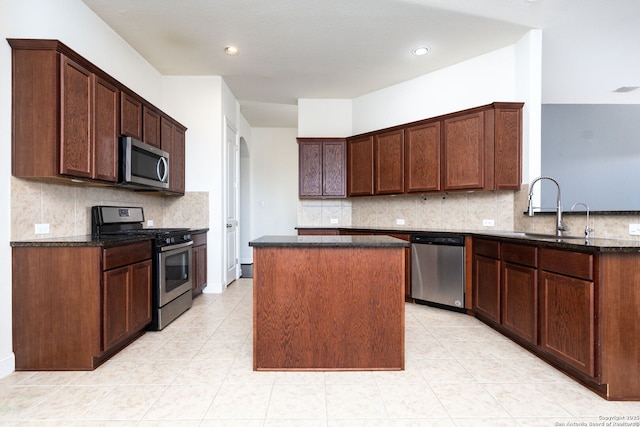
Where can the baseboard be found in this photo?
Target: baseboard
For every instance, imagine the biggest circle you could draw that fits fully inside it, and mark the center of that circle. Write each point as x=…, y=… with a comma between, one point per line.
x=7, y=365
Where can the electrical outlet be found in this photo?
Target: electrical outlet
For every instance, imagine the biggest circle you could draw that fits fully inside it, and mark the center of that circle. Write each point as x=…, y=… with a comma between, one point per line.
x=334, y=220
x=42, y=229
x=149, y=223
x=634, y=229
x=488, y=223
x=399, y=221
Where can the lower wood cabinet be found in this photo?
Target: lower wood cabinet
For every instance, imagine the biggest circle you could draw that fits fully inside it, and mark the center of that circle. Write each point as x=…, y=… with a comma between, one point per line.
x=486, y=279
x=199, y=258
x=567, y=308
x=75, y=306
x=519, y=291
x=126, y=299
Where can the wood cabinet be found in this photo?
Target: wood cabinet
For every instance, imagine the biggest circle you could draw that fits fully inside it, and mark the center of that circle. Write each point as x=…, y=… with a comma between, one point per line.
x=463, y=150
x=519, y=292
x=567, y=308
x=199, y=263
x=73, y=307
x=68, y=114
x=486, y=279
x=322, y=166
x=172, y=138
x=474, y=149
x=389, y=162
x=481, y=148
x=360, y=166
x=89, y=120
x=422, y=158
x=130, y=115
x=126, y=299
x=64, y=116
x=150, y=126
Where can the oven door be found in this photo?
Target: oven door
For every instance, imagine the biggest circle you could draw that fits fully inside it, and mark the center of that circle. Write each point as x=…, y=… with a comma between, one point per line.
x=174, y=271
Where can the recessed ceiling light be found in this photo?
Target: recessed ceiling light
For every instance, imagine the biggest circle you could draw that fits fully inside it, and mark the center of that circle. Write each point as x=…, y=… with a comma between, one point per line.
x=420, y=51
x=626, y=89
x=231, y=50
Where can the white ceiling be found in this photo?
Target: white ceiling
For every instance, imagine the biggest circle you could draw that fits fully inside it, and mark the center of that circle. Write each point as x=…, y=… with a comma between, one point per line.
x=291, y=49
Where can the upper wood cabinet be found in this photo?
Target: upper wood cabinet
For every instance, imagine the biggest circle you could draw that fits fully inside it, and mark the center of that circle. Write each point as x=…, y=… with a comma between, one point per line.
x=68, y=114
x=172, y=139
x=322, y=168
x=360, y=166
x=422, y=157
x=151, y=126
x=130, y=115
x=474, y=149
x=389, y=162
x=463, y=148
x=482, y=148
x=64, y=116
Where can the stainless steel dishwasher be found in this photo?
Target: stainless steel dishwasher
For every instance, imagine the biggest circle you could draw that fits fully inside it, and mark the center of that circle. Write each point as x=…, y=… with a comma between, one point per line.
x=437, y=270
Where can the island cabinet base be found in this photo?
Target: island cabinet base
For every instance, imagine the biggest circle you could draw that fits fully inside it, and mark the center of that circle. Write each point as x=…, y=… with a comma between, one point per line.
x=328, y=308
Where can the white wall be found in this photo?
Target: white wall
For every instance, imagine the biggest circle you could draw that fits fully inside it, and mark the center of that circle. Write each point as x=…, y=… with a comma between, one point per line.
x=274, y=181
x=324, y=117
x=195, y=102
x=471, y=83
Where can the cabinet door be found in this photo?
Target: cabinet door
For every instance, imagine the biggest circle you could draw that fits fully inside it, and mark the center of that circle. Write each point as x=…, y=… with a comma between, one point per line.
x=115, y=296
x=463, y=152
x=334, y=165
x=173, y=142
x=389, y=161
x=520, y=300
x=105, y=135
x=140, y=296
x=422, y=158
x=310, y=168
x=130, y=115
x=200, y=269
x=76, y=154
x=150, y=126
x=360, y=166
x=487, y=287
x=508, y=148
x=567, y=320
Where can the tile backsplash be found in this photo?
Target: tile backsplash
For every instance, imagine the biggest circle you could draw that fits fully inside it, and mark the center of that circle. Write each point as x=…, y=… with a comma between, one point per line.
x=67, y=207
x=454, y=211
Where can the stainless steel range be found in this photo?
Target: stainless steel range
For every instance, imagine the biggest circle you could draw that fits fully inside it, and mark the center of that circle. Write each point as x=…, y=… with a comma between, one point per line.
x=172, y=258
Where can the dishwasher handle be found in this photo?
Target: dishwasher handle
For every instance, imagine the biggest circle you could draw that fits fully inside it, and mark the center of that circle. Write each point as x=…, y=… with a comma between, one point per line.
x=434, y=239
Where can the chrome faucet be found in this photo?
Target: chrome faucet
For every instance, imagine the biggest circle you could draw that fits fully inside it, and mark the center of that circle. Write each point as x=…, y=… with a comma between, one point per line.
x=560, y=225
x=587, y=229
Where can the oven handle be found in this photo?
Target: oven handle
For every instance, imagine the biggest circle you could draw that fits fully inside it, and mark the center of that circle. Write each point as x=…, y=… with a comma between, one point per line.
x=178, y=246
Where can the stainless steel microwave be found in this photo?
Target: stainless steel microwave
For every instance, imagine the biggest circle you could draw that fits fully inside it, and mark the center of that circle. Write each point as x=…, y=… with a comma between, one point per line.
x=142, y=166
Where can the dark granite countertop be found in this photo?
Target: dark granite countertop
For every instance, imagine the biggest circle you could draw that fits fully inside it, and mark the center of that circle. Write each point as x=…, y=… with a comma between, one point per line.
x=79, y=241
x=566, y=242
x=329, y=241
x=89, y=240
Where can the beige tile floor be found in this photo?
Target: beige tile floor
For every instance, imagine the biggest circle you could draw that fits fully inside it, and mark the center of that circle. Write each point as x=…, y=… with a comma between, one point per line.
x=198, y=372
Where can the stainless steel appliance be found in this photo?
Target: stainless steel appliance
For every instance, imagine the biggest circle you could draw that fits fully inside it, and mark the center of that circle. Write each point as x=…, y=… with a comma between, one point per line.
x=437, y=270
x=172, y=258
x=142, y=166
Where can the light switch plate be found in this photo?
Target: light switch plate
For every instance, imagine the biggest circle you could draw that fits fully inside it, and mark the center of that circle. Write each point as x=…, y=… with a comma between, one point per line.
x=334, y=221
x=488, y=223
x=634, y=229
x=42, y=229
x=399, y=221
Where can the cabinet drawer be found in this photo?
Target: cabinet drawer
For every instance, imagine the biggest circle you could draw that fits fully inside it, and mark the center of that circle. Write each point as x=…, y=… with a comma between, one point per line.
x=125, y=255
x=199, y=239
x=520, y=254
x=489, y=248
x=574, y=264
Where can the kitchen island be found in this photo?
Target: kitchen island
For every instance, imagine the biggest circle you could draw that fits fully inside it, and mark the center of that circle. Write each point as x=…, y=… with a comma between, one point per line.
x=328, y=303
